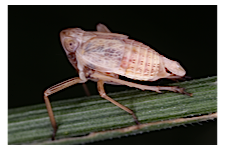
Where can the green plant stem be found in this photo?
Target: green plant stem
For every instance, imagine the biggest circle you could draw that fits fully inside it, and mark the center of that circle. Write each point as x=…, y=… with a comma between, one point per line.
x=88, y=119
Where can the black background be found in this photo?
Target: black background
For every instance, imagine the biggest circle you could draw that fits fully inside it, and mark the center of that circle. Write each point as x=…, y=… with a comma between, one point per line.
x=36, y=60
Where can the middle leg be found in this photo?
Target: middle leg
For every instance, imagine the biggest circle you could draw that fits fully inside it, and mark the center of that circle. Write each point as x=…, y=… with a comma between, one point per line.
x=102, y=93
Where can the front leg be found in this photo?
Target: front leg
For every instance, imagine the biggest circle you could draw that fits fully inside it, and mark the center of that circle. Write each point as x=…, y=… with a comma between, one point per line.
x=55, y=89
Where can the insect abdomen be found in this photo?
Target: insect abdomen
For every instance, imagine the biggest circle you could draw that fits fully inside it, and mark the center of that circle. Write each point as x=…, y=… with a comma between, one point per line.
x=139, y=61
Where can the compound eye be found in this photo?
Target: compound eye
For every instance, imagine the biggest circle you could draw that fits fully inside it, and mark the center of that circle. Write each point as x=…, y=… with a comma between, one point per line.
x=71, y=45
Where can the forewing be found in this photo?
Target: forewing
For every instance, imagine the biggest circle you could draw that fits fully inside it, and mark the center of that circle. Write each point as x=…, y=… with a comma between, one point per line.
x=102, y=54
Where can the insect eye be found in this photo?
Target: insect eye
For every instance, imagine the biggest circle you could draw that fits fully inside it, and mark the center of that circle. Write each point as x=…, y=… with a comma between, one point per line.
x=71, y=45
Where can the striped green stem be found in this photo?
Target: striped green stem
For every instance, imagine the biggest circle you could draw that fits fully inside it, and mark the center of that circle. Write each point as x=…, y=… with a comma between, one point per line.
x=79, y=117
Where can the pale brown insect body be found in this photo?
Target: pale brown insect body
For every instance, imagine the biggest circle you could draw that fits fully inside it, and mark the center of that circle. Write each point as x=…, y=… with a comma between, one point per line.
x=102, y=56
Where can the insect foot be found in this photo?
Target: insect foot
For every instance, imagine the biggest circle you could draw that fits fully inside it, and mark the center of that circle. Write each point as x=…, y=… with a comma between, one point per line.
x=136, y=119
x=54, y=133
x=181, y=90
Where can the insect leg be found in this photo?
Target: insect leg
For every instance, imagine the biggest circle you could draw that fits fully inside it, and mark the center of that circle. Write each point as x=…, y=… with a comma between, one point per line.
x=142, y=87
x=54, y=89
x=102, y=93
x=86, y=89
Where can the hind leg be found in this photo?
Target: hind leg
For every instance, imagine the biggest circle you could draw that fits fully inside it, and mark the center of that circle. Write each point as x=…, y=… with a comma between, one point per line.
x=142, y=87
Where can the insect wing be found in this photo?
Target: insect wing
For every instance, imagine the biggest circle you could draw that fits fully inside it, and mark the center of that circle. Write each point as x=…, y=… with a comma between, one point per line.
x=102, y=54
x=102, y=28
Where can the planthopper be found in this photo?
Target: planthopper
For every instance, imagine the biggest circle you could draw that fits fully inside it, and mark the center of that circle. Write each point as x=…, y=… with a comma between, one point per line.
x=102, y=56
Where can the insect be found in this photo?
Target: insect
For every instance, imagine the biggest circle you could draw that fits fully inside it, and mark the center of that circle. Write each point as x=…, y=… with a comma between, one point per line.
x=102, y=56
